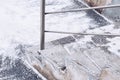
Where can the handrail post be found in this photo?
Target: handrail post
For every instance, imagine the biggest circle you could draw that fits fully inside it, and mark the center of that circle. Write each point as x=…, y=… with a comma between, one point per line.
x=42, y=24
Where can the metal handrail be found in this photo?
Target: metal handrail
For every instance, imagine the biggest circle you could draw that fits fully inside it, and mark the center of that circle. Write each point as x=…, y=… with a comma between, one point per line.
x=42, y=21
x=83, y=9
x=62, y=32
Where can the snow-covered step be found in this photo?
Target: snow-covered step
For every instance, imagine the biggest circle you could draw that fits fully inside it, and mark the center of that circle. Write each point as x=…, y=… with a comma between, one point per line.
x=77, y=57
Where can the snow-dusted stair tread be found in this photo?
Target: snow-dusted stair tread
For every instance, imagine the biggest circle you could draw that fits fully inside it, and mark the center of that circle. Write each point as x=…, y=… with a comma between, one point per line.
x=77, y=57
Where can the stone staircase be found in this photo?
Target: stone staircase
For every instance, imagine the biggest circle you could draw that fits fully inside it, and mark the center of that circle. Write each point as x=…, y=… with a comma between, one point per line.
x=78, y=57
x=75, y=57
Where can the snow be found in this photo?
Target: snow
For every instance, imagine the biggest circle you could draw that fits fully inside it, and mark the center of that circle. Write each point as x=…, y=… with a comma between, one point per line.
x=20, y=28
x=19, y=23
x=114, y=45
x=113, y=13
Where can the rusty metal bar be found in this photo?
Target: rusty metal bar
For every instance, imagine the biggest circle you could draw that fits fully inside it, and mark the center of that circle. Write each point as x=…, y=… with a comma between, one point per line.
x=82, y=9
x=42, y=24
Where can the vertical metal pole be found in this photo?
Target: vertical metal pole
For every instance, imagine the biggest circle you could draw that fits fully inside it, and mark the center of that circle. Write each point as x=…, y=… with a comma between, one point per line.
x=42, y=24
